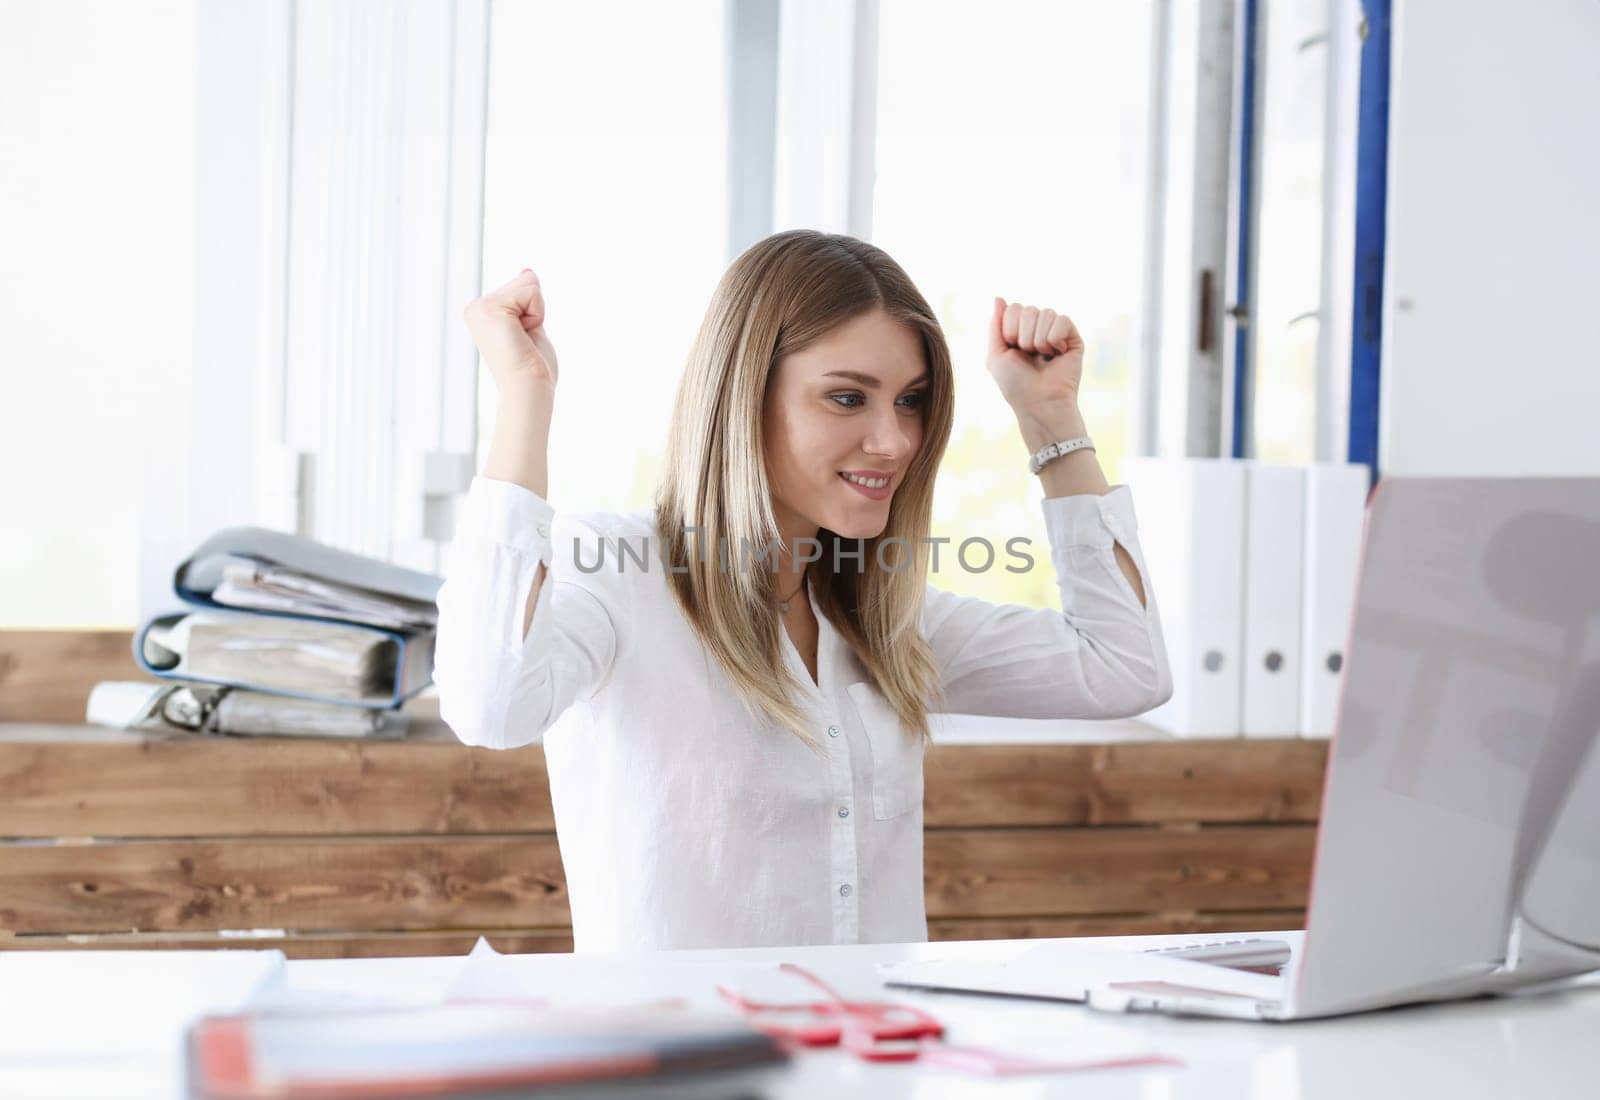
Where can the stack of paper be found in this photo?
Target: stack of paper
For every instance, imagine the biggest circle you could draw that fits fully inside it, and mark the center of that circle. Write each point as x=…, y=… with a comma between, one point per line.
x=296, y=633
x=325, y=659
x=212, y=708
x=249, y=583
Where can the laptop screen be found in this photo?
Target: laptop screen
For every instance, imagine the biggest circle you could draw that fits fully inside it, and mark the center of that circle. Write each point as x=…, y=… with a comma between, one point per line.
x=1462, y=788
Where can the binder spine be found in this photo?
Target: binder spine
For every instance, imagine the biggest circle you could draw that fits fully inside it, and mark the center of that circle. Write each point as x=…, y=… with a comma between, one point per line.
x=1336, y=496
x=413, y=661
x=1191, y=516
x=1274, y=523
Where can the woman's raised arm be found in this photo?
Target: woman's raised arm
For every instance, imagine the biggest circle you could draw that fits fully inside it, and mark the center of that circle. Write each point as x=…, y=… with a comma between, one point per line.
x=507, y=325
x=501, y=684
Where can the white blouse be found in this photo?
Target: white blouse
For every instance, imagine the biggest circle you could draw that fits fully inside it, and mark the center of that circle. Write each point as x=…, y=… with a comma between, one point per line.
x=681, y=822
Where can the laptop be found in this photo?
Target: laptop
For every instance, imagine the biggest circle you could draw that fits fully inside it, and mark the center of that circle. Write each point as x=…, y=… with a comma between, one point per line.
x=1459, y=847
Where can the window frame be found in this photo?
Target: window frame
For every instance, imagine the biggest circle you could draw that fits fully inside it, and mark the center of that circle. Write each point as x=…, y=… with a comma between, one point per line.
x=250, y=203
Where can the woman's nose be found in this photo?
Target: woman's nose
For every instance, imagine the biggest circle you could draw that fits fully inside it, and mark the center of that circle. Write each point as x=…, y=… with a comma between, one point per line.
x=891, y=436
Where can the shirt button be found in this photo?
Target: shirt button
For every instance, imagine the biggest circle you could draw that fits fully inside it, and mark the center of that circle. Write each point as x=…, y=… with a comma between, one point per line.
x=544, y=530
x=844, y=811
x=844, y=891
x=833, y=731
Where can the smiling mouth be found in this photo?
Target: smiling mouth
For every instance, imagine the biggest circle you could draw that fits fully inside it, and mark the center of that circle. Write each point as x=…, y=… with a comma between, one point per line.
x=868, y=483
x=881, y=491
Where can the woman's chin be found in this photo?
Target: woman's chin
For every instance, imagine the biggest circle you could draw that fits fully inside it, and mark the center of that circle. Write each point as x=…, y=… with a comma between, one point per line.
x=861, y=527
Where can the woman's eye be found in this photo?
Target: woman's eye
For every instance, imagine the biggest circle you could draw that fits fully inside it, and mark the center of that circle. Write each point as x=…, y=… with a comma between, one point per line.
x=910, y=400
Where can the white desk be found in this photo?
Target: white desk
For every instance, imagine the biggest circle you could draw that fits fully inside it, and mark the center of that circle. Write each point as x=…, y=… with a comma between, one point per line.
x=1509, y=1048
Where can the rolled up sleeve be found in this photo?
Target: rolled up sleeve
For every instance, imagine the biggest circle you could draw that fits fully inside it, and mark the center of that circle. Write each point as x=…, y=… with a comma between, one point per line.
x=498, y=688
x=1101, y=655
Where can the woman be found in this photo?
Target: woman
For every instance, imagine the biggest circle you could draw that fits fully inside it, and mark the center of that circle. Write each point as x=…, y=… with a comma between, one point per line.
x=734, y=741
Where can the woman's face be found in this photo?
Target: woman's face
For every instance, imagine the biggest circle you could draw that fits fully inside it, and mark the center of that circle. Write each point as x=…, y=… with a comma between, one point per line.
x=849, y=403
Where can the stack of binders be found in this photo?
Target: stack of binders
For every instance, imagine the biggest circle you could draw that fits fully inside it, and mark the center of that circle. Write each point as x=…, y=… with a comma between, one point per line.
x=1255, y=568
x=284, y=635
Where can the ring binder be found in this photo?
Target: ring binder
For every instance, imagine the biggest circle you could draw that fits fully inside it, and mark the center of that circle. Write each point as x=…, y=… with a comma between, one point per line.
x=341, y=588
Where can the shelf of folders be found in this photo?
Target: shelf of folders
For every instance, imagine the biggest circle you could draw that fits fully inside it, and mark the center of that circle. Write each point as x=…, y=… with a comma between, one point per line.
x=283, y=635
x=1254, y=567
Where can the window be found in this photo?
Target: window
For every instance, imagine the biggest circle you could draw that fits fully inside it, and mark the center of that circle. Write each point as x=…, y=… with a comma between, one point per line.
x=614, y=191
x=1287, y=311
x=1011, y=161
x=96, y=214
x=995, y=170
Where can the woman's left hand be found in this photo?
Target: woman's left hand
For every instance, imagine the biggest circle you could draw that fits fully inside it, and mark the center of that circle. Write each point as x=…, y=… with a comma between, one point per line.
x=1036, y=357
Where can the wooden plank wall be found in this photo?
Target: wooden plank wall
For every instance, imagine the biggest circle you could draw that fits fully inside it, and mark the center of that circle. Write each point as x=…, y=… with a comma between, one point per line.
x=331, y=849
x=385, y=848
x=45, y=675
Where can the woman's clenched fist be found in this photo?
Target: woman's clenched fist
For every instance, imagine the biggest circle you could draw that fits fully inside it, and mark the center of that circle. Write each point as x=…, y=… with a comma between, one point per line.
x=1035, y=356
x=507, y=325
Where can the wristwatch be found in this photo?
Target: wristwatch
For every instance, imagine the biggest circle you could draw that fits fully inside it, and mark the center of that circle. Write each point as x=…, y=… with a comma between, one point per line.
x=1052, y=451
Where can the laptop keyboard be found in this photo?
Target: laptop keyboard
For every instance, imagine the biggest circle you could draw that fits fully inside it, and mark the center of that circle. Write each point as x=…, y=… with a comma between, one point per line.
x=1248, y=954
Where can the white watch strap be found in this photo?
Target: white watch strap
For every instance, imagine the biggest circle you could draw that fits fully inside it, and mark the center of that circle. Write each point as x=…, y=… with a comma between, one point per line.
x=1052, y=451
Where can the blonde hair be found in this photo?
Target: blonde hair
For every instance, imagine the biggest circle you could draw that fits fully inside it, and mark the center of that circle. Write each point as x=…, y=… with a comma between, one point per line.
x=783, y=294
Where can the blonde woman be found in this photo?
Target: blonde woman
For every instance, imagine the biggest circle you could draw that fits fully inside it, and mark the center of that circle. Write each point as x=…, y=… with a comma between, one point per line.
x=732, y=688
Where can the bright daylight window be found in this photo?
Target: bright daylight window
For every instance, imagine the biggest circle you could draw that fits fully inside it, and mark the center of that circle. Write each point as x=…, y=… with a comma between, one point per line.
x=1011, y=161
x=605, y=172
x=93, y=396
x=1289, y=271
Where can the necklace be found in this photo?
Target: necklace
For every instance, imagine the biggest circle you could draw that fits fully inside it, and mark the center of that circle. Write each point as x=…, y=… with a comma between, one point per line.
x=783, y=604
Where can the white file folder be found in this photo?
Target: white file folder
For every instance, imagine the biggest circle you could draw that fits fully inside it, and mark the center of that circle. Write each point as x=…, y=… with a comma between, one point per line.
x=1336, y=503
x=1275, y=505
x=1191, y=527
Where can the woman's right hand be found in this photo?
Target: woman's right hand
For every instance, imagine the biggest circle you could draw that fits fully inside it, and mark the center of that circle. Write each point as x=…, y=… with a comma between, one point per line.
x=507, y=325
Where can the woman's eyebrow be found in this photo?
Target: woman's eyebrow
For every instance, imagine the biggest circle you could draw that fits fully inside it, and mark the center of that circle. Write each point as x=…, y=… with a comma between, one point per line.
x=870, y=381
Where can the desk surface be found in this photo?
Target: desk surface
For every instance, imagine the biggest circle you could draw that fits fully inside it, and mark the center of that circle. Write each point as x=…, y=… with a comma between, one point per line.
x=1537, y=1046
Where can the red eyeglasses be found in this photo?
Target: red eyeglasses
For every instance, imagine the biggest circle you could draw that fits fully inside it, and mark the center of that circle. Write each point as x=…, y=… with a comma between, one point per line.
x=880, y=1031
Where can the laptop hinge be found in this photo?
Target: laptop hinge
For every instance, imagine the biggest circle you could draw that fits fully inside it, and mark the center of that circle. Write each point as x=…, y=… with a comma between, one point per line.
x=1533, y=955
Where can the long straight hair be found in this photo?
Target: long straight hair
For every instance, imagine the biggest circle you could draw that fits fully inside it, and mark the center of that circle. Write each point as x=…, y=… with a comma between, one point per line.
x=783, y=294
